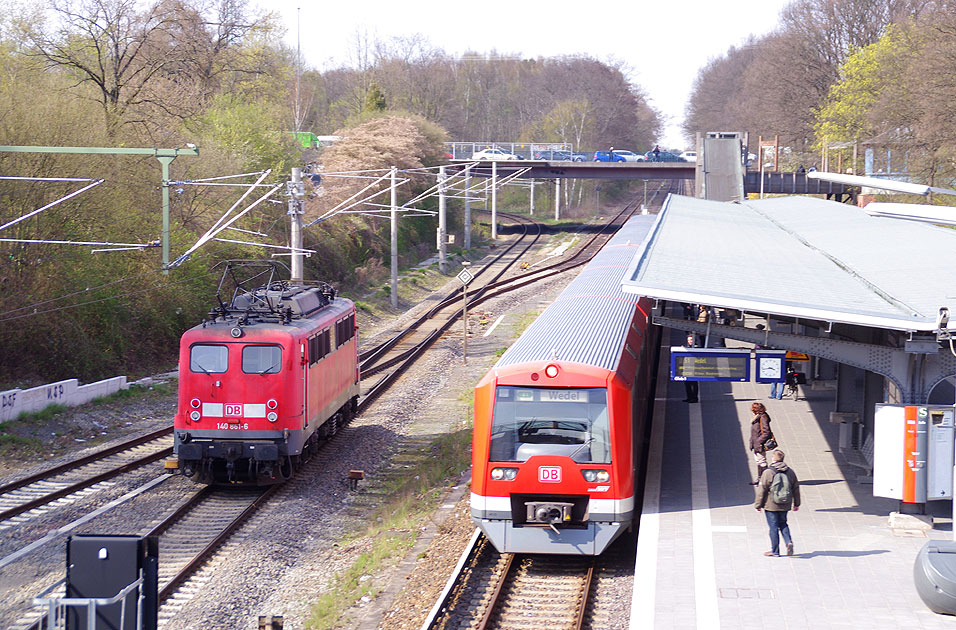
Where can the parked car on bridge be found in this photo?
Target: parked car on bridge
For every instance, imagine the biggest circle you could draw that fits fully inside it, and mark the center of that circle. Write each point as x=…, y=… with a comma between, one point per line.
x=560, y=156
x=663, y=156
x=494, y=154
x=690, y=156
x=608, y=156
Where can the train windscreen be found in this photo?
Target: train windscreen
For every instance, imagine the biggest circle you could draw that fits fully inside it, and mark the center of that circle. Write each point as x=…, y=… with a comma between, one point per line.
x=531, y=421
x=208, y=358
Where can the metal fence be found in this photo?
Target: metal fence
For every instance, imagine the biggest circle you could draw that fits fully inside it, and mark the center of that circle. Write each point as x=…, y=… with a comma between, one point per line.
x=526, y=150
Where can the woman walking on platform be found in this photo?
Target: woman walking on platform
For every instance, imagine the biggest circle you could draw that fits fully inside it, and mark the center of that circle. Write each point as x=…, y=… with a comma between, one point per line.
x=759, y=434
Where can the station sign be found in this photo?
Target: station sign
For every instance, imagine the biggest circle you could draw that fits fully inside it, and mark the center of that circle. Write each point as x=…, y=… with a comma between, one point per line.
x=709, y=364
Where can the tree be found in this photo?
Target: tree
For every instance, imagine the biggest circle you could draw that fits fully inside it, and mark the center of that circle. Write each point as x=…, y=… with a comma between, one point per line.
x=134, y=58
x=374, y=100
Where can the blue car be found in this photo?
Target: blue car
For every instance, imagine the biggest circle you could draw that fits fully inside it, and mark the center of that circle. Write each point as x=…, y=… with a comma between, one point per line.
x=608, y=156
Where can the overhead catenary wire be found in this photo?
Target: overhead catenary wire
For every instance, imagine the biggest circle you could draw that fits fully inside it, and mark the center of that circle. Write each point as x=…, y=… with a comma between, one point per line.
x=220, y=226
x=294, y=250
x=53, y=203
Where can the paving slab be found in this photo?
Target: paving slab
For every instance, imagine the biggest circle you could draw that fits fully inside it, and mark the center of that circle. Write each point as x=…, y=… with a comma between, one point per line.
x=700, y=561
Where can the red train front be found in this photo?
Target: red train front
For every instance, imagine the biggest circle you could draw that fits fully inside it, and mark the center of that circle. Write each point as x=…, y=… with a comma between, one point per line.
x=262, y=381
x=559, y=432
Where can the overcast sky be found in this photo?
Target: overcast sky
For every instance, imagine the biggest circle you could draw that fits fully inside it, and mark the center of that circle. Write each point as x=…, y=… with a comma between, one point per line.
x=663, y=43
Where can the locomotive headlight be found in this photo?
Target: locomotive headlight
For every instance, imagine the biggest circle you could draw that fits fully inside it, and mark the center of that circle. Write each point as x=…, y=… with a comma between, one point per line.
x=194, y=415
x=194, y=403
x=596, y=476
x=236, y=332
x=551, y=371
x=508, y=474
x=272, y=416
x=272, y=403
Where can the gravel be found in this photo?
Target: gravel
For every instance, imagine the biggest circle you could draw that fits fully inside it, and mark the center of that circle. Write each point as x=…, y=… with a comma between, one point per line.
x=290, y=552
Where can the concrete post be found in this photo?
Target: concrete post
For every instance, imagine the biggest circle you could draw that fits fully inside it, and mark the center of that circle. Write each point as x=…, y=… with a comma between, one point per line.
x=394, y=186
x=494, y=200
x=442, y=224
x=295, y=218
x=557, y=199
x=532, y=197
x=467, y=207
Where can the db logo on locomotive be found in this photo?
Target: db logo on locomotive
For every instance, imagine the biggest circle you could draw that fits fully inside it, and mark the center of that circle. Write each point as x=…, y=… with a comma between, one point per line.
x=550, y=474
x=233, y=411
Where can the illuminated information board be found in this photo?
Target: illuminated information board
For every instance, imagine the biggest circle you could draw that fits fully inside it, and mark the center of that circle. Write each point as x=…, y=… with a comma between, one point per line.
x=709, y=364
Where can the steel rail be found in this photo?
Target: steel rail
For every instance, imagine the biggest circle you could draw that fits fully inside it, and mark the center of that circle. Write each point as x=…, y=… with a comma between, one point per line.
x=70, y=465
x=167, y=590
x=496, y=594
x=85, y=483
x=369, y=357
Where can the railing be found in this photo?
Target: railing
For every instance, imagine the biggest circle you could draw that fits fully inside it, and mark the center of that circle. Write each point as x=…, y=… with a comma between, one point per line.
x=527, y=150
x=57, y=606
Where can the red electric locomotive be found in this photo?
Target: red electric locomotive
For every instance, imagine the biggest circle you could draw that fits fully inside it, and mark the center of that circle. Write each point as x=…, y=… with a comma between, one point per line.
x=560, y=420
x=262, y=380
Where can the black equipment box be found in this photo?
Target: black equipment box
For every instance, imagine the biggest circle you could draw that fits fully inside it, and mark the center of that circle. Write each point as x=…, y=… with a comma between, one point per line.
x=102, y=566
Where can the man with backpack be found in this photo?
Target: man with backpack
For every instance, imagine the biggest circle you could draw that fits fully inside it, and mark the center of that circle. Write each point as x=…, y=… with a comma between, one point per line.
x=777, y=492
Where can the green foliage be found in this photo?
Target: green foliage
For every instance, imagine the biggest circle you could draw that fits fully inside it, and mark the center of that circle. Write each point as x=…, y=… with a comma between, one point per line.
x=374, y=99
x=865, y=75
x=252, y=132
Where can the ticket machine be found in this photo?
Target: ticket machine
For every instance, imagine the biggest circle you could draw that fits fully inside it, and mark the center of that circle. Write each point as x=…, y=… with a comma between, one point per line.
x=913, y=452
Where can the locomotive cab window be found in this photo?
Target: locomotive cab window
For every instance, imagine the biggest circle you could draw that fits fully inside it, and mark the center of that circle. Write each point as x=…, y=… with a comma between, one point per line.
x=261, y=359
x=208, y=358
x=531, y=421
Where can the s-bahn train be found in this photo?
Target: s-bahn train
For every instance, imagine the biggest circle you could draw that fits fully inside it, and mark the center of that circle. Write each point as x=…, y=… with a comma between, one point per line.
x=262, y=380
x=560, y=427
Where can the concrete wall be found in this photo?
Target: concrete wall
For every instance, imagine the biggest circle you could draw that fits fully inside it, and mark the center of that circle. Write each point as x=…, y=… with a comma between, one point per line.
x=13, y=402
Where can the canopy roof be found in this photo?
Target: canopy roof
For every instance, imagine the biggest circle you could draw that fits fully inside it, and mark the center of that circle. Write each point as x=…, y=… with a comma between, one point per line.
x=799, y=256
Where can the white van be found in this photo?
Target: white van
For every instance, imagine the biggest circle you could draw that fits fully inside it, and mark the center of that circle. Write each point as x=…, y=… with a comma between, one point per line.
x=690, y=156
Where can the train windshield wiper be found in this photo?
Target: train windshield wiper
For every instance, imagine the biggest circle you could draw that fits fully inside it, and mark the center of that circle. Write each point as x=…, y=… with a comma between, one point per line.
x=199, y=365
x=269, y=369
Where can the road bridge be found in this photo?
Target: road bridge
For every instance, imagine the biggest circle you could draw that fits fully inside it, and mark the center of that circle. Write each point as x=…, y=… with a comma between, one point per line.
x=773, y=182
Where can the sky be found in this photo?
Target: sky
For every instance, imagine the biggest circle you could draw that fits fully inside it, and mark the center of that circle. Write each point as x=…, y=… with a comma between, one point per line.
x=662, y=43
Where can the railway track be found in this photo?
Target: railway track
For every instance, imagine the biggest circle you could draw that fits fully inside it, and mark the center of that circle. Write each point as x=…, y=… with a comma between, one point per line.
x=491, y=590
x=208, y=519
x=60, y=481
x=404, y=348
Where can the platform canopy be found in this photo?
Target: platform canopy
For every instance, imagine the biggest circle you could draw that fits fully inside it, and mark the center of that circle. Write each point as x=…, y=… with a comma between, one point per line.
x=800, y=257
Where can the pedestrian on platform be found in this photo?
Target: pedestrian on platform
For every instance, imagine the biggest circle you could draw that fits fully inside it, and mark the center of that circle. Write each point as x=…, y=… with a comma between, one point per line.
x=691, y=388
x=759, y=434
x=776, y=389
x=777, y=492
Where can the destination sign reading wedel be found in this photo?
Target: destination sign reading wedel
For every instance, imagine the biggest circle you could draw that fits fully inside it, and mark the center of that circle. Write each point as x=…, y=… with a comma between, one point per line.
x=563, y=395
x=709, y=364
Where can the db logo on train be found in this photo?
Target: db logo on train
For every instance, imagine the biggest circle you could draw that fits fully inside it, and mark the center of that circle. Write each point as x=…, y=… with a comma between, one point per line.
x=549, y=473
x=233, y=411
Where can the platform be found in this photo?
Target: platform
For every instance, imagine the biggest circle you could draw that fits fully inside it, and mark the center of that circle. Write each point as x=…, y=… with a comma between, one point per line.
x=700, y=561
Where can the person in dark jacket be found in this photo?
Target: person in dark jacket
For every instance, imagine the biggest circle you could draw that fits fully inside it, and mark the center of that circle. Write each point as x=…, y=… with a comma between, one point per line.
x=759, y=433
x=691, y=388
x=777, y=512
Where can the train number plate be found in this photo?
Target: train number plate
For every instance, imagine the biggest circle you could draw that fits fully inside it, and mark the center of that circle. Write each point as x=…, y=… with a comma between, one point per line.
x=551, y=474
x=232, y=426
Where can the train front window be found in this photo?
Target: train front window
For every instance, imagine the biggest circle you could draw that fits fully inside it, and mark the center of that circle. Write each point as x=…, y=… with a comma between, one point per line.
x=261, y=359
x=208, y=358
x=532, y=421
